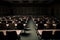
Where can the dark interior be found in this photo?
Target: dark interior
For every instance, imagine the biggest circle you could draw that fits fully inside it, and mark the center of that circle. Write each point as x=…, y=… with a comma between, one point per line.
x=29, y=19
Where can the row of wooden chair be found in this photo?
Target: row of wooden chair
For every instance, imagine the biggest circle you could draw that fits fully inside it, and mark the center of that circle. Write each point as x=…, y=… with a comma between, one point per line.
x=13, y=22
x=4, y=26
x=10, y=36
x=47, y=23
x=47, y=35
x=48, y=26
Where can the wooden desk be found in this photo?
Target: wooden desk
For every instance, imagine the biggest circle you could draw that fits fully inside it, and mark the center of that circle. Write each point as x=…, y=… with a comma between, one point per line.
x=17, y=31
x=53, y=31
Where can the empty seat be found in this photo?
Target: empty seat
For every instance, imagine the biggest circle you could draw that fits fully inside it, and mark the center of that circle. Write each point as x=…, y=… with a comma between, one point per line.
x=46, y=35
x=56, y=35
x=3, y=21
x=37, y=22
x=20, y=26
x=9, y=21
x=12, y=26
x=11, y=35
x=4, y=26
x=23, y=22
x=58, y=26
x=2, y=37
x=1, y=26
x=40, y=26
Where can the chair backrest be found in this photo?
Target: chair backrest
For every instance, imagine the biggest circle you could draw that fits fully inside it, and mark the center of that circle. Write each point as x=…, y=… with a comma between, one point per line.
x=12, y=35
x=40, y=26
x=58, y=26
x=20, y=26
x=9, y=21
x=12, y=26
x=4, y=26
x=57, y=35
x=3, y=21
x=2, y=37
x=46, y=34
x=1, y=26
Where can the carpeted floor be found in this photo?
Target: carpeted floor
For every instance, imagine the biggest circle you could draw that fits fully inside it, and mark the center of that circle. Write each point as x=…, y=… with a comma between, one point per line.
x=32, y=32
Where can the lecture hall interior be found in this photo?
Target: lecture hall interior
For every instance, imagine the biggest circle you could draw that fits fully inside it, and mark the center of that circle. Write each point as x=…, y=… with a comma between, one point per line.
x=29, y=20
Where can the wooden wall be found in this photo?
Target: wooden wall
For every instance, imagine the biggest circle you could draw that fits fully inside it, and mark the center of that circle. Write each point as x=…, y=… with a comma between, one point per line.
x=51, y=10
x=54, y=10
x=4, y=10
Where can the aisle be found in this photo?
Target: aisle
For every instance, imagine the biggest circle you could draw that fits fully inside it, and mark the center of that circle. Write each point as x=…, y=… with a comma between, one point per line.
x=32, y=31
